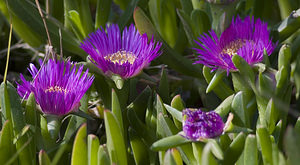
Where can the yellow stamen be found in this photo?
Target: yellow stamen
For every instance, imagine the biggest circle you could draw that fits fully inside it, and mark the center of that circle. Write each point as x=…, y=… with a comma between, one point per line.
x=121, y=57
x=232, y=48
x=56, y=89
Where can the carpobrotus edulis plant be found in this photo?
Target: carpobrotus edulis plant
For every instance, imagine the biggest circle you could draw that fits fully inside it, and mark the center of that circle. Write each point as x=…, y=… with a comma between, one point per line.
x=247, y=38
x=199, y=125
x=57, y=87
x=124, y=54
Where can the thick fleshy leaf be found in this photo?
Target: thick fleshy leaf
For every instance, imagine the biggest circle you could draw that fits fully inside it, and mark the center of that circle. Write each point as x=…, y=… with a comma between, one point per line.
x=7, y=148
x=26, y=11
x=222, y=90
x=139, y=150
x=80, y=151
x=207, y=157
x=169, y=142
x=102, y=13
x=176, y=103
x=235, y=149
x=163, y=88
x=116, y=110
x=93, y=145
x=13, y=111
x=139, y=105
x=172, y=157
x=292, y=146
x=265, y=144
x=224, y=108
x=115, y=139
x=103, y=157
x=44, y=158
x=170, y=57
x=145, y=132
x=250, y=151
x=174, y=112
x=287, y=27
x=201, y=23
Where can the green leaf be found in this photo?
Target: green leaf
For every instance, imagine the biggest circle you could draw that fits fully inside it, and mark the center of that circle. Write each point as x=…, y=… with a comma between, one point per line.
x=122, y=3
x=187, y=26
x=215, y=80
x=103, y=89
x=86, y=17
x=80, y=152
x=224, y=108
x=27, y=12
x=287, y=27
x=197, y=150
x=207, y=157
x=12, y=109
x=30, y=111
x=116, y=110
x=163, y=88
x=7, y=149
x=250, y=151
x=266, y=144
x=139, y=150
x=235, y=149
x=222, y=90
x=201, y=23
x=145, y=132
x=76, y=24
x=176, y=114
x=139, y=105
x=271, y=116
x=245, y=70
x=103, y=157
x=21, y=28
x=93, y=145
x=176, y=103
x=187, y=6
x=160, y=108
x=115, y=140
x=292, y=146
x=284, y=56
x=170, y=57
x=127, y=15
x=172, y=157
x=169, y=142
x=239, y=110
x=102, y=13
x=216, y=149
x=43, y=158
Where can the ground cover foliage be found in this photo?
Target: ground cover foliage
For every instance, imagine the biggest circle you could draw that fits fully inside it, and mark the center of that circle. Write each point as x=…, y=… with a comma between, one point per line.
x=190, y=82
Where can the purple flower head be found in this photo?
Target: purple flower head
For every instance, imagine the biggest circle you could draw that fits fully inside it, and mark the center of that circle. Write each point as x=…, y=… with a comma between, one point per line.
x=246, y=38
x=124, y=54
x=199, y=125
x=57, y=87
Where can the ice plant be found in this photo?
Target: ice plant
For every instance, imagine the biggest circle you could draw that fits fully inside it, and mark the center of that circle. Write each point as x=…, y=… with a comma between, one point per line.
x=124, y=54
x=247, y=38
x=57, y=87
x=198, y=125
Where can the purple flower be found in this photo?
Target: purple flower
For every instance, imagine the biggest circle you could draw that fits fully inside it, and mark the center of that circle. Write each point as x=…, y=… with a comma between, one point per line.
x=57, y=87
x=123, y=54
x=199, y=125
x=246, y=38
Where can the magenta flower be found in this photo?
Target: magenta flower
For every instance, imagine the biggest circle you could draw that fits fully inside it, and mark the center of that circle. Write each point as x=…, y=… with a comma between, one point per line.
x=246, y=38
x=57, y=88
x=199, y=125
x=123, y=54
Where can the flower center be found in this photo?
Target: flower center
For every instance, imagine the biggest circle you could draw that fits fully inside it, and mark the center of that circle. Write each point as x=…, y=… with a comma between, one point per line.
x=56, y=89
x=232, y=48
x=121, y=57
